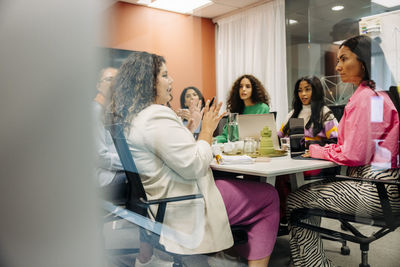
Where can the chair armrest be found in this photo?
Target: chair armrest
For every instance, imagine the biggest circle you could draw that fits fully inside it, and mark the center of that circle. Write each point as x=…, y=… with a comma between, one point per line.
x=382, y=193
x=360, y=179
x=163, y=204
x=171, y=199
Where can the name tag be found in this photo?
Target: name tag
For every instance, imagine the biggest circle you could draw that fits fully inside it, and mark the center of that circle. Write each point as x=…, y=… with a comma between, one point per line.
x=376, y=109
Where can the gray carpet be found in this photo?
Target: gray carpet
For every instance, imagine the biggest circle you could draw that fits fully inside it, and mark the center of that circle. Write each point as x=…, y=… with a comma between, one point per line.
x=384, y=252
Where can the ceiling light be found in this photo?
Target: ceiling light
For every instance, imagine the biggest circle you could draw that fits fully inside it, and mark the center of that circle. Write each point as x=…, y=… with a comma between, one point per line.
x=180, y=6
x=144, y=2
x=337, y=8
x=387, y=3
x=339, y=42
x=293, y=21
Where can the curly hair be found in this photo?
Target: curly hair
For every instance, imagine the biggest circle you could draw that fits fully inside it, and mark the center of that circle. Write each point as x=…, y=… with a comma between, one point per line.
x=134, y=87
x=258, y=94
x=182, y=98
x=317, y=105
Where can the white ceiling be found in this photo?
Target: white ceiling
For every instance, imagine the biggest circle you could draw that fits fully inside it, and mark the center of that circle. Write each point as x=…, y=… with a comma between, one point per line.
x=315, y=18
x=217, y=7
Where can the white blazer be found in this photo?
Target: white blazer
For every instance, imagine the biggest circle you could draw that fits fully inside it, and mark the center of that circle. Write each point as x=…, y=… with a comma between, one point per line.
x=172, y=163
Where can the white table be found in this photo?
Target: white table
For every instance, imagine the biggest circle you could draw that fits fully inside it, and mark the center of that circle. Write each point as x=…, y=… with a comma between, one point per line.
x=277, y=166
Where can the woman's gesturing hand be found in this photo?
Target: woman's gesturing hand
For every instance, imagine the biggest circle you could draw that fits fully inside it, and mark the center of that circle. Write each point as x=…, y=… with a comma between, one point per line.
x=210, y=121
x=195, y=116
x=184, y=114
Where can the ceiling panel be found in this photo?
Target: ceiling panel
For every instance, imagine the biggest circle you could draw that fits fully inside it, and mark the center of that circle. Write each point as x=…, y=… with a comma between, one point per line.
x=130, y=1
x=217, y=7
x=236, y=3
x=316, y=20
x=213, y=10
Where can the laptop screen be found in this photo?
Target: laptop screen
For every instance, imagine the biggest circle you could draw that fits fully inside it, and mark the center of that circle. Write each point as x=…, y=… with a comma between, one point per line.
x=250, y=125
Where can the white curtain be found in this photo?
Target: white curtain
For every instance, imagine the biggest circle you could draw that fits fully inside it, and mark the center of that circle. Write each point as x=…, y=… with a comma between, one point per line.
x=253, y=42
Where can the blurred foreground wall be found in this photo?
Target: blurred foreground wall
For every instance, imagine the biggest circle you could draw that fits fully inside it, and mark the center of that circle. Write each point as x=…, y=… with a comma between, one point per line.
x=48, y=209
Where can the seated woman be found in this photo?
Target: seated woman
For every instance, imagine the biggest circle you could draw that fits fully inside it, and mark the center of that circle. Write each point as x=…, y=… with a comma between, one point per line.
x=320, y=124
x=191, y=99
x=368, y=142
x=109, y=169
x=247, y=96
x=172, y=163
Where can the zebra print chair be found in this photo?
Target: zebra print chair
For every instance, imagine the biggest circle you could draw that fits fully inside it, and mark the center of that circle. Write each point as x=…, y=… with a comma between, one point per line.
x=387, y=223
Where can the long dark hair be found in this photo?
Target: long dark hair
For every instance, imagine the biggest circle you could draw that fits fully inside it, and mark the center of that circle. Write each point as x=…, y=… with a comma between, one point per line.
x=134, y=87
x=364, y=48
x=201, y=98
x=317, y=104
x=258, y=94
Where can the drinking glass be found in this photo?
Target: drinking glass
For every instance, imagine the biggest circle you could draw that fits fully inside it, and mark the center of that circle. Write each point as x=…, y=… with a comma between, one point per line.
x=250, y=146
x=285, y=143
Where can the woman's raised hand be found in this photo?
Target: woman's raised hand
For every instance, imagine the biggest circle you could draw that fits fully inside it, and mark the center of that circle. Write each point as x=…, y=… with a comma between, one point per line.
x=211, y=118
x=195, y=115
x=184, y=114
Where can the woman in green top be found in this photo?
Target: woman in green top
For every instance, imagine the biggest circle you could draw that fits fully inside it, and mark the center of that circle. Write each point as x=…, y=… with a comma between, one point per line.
x=247, y=96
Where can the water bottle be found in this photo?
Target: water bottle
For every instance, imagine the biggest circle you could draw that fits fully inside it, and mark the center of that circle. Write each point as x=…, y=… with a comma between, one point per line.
x=233, y=128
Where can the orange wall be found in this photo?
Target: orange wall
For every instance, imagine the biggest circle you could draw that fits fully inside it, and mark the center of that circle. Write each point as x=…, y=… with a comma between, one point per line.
x=186, y=42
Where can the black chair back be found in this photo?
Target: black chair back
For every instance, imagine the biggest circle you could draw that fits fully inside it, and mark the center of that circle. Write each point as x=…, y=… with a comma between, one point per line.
x=220, y=126
x=296, y=135
x=275, y=113
x=337, y=110
x=135, y=187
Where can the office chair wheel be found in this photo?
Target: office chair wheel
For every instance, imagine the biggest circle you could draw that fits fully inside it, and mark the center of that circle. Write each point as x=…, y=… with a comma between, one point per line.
x=345, y=250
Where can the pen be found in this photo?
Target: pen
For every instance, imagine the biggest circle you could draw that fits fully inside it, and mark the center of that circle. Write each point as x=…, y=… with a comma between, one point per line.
x=212, y=101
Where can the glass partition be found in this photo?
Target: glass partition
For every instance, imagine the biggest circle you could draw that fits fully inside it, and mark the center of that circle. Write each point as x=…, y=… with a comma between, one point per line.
x=316, y=28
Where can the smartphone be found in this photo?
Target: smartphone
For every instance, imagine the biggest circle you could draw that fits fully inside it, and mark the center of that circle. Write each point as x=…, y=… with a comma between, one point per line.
x=212, y=101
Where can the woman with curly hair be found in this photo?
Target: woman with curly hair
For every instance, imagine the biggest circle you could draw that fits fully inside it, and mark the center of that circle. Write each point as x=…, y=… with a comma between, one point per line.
x=172, y=163
x=247, y=96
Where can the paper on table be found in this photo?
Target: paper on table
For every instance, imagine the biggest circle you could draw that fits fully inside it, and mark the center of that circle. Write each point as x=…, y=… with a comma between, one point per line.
x=228, y=160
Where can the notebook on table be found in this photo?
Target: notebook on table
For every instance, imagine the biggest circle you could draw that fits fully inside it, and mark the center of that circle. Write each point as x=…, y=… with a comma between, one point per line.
x=250, y=125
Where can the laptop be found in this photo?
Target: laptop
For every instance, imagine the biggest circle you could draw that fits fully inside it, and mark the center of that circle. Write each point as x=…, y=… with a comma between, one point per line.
x=250, y=125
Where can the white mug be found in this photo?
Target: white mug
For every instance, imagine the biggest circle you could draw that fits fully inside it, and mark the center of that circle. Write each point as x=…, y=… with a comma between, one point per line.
x=230, y=148
x=217, y=149
x=239, y=146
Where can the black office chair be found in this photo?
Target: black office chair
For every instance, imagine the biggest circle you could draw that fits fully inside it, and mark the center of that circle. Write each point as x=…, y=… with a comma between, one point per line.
x=275, y=114
x=387, y=223
x=138, y=204
x=116, y=194
x=337, y=110
x=220, y=126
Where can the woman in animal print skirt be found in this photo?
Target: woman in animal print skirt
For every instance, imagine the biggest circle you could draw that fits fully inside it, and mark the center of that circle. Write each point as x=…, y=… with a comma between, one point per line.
x=368, y=142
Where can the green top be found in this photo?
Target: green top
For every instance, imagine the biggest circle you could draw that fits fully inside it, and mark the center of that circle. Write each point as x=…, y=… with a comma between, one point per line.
x=259, y=108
